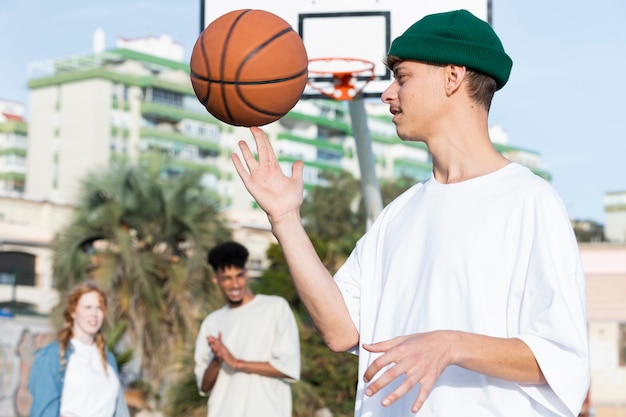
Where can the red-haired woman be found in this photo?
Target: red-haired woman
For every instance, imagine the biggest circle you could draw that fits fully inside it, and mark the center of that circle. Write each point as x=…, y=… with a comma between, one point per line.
x=76, y=376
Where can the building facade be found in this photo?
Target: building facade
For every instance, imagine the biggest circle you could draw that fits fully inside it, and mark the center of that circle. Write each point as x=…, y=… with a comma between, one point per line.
x=13, y=145
x=615, y=209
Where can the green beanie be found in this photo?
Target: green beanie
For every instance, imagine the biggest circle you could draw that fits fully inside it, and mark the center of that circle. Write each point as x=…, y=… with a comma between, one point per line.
x=456, y=37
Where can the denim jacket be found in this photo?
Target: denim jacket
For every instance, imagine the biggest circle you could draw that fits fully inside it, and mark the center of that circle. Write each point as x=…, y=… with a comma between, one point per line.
x=46, y=382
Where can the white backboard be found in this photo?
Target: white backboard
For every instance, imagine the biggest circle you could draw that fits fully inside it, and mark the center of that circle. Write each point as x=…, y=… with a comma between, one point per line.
x=360, y=29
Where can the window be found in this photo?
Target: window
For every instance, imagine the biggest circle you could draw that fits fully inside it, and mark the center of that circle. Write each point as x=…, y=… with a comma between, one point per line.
x=166, y=97
x=17, y=265
x=7, y=278
x=12, y=160
x=329, y=156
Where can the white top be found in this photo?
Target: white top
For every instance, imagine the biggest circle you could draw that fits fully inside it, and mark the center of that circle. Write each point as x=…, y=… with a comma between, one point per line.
x=262, y=330
x=494, y=255
x=87, y=390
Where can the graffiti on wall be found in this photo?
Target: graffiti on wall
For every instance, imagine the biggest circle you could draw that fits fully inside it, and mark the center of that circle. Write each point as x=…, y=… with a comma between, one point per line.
x=18, y=343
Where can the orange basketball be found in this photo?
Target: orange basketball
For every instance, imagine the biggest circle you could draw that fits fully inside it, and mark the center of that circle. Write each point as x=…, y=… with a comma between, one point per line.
x=249, y=67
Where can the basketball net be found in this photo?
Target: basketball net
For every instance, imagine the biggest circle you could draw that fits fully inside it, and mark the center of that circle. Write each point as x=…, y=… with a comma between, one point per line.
x=340, y=78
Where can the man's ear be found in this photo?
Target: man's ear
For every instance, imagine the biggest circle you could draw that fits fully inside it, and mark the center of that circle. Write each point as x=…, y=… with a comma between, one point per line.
x=454, y=76
x=214, y=279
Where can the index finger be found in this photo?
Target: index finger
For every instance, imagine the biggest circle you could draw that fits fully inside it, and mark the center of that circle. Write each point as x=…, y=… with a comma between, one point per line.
x=378, y=364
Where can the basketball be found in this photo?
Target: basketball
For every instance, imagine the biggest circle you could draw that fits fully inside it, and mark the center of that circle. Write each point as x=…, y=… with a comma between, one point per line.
x=249, y=67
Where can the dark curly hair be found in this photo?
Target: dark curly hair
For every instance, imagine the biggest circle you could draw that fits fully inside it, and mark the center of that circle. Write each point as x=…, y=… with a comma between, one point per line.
x=228, y=254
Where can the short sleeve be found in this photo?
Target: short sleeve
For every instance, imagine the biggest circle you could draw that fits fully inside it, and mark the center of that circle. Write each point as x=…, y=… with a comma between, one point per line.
x=286, y=349
x=553, y=316
x=348, y=280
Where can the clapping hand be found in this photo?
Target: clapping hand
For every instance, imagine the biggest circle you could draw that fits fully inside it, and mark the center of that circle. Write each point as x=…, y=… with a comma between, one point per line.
x=220, y=350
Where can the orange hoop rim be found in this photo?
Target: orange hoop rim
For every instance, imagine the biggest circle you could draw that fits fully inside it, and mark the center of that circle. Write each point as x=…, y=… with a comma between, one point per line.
x=344, y=80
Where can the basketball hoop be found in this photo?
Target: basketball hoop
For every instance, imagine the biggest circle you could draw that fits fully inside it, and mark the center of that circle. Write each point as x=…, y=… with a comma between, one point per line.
x=340, y=78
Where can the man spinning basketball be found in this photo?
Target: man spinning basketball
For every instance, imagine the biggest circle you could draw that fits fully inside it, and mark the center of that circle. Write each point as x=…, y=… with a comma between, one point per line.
x=467, y=295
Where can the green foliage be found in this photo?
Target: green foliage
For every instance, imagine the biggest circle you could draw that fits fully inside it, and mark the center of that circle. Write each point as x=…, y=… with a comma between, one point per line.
x=334, y=218
x=393, y=188
x=183, y=396
x=332, y=376
x=305, y=399
x=588, y=231
x=185, y=399
x=276, y=280
x=113, y=335
x=332, y=212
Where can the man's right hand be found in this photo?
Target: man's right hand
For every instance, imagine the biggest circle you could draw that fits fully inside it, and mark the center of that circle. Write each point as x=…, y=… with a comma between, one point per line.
x=276, y=193
x=220, y=350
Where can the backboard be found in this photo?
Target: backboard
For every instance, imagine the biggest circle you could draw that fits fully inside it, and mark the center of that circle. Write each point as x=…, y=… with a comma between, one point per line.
x=360, y=29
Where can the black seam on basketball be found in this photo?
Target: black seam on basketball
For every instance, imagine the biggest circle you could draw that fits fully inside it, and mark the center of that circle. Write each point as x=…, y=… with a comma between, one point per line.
x=223, y=62
x=274, y=81
x=206, y=65
x=261, y=46
x=225, y=82
x=258, y=109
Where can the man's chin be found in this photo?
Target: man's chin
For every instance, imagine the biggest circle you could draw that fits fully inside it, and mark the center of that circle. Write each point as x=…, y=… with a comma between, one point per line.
x=401, y=134
x=405, y=137
x=235, y=303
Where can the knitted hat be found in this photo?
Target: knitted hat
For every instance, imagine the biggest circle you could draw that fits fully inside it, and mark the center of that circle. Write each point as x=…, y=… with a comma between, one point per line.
x=456, y=37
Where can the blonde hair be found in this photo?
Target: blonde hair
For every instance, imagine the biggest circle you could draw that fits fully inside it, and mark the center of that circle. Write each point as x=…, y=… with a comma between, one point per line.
x=66, y=333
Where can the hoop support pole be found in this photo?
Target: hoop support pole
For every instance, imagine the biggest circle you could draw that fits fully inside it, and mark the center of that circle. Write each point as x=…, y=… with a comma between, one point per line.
x=369, y=182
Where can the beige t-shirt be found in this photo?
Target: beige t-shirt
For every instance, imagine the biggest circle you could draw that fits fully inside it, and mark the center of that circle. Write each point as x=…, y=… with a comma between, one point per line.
x=261, y=330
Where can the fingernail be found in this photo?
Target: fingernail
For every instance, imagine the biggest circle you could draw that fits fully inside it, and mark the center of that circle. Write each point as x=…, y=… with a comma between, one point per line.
x=368, y=392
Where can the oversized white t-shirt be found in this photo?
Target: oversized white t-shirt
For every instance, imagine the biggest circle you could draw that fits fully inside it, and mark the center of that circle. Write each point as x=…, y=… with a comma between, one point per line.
x=87, y=390
x=262, y=330
x=494, y=255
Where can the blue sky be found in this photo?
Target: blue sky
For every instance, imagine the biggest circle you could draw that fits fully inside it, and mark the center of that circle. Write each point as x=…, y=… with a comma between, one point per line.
x=566, y=97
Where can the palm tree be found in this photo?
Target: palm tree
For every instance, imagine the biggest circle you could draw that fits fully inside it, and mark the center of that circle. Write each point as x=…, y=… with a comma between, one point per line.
x=144, y=238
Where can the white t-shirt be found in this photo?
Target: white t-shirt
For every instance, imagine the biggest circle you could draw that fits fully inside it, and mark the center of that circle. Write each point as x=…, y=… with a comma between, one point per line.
x=87, y=390
x=262, y=330
x=494, y=255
